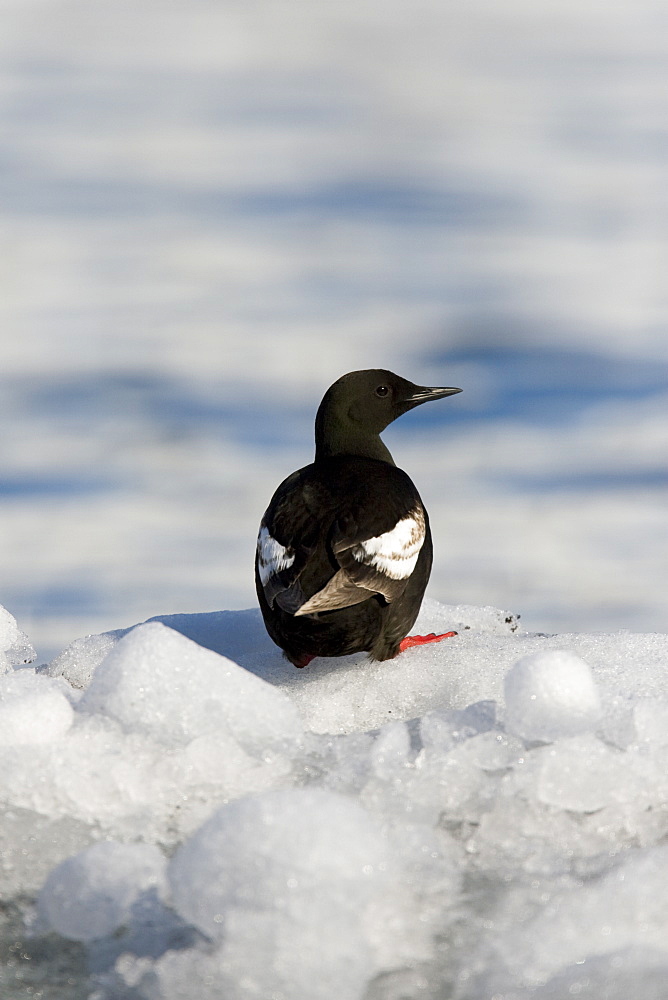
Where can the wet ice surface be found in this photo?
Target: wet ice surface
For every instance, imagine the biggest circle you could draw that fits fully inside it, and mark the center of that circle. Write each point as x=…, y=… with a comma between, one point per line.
x=187, y=815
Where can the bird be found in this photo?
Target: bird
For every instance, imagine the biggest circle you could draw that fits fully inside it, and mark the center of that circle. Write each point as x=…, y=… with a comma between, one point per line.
x=344, y=549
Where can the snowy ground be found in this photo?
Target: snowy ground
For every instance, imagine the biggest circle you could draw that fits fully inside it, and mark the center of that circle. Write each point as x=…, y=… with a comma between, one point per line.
x=186, y=816
x=210, y=211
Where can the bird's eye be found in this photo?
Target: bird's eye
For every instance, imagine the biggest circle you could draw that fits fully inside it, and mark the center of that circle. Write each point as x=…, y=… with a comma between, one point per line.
x=382, y=390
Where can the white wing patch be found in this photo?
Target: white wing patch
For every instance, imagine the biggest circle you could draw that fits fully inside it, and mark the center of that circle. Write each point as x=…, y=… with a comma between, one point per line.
x=395, y=552
x=272, y=557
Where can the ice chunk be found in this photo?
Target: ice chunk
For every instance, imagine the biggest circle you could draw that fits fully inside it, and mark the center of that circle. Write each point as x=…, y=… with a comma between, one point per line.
x=90, y=895
x=121, y=783
x=447, y=780
x=339, y=763
x=33, y=709
x=390, y=752
x=456, y=786
x=650, y=720
x=127, y=785
x=550, y=695
x=212, y=770
x=78, y=661
x=583, y=775
x=31, y=845
x=309, y=940
x=282, y=882
x=317, y=951
x=268, y=850
x=14, y=645
x=631, y=972
x=430, y=860
x=9, y=629
x=265, y=956
x=177, y=975
x=626, y=908
x=443, y=729
x=239, y=635
x=157, y=682
x=524, y=835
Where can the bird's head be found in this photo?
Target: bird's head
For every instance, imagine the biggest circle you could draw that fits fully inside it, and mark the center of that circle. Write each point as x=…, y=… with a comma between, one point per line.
x=359, y=405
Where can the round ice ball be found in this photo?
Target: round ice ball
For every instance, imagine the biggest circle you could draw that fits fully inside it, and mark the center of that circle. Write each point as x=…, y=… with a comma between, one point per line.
x=551, y=695
x=269, y=851
x=90, y=895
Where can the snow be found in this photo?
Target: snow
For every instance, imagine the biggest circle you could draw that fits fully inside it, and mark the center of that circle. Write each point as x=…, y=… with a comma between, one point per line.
x=485, y=816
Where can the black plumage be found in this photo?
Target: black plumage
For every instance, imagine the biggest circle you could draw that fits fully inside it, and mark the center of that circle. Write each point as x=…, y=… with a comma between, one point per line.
x=344, y=550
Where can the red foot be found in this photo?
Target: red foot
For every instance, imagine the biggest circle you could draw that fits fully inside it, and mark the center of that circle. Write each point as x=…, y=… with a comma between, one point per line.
x=420, y=640
x=304, y=660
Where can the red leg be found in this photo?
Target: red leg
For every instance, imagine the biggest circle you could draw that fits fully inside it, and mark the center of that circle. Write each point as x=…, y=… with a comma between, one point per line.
x=421, y=640
x=304, y=660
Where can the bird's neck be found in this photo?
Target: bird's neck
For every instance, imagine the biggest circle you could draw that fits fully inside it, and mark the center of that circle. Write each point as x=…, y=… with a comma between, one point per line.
x=340, y=437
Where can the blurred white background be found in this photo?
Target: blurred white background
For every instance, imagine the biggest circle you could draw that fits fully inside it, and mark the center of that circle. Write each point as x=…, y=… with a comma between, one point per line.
x=210, y=210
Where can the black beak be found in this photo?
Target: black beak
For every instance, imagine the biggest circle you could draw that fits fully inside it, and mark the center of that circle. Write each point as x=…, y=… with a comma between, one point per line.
x=422, y=394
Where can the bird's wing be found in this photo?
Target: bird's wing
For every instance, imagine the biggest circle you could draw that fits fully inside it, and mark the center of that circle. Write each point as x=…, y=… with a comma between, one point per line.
x=278, y=570
x=376, y=564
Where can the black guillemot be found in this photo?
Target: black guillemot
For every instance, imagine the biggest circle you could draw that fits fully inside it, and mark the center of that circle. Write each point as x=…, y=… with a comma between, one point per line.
x=344, y=550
